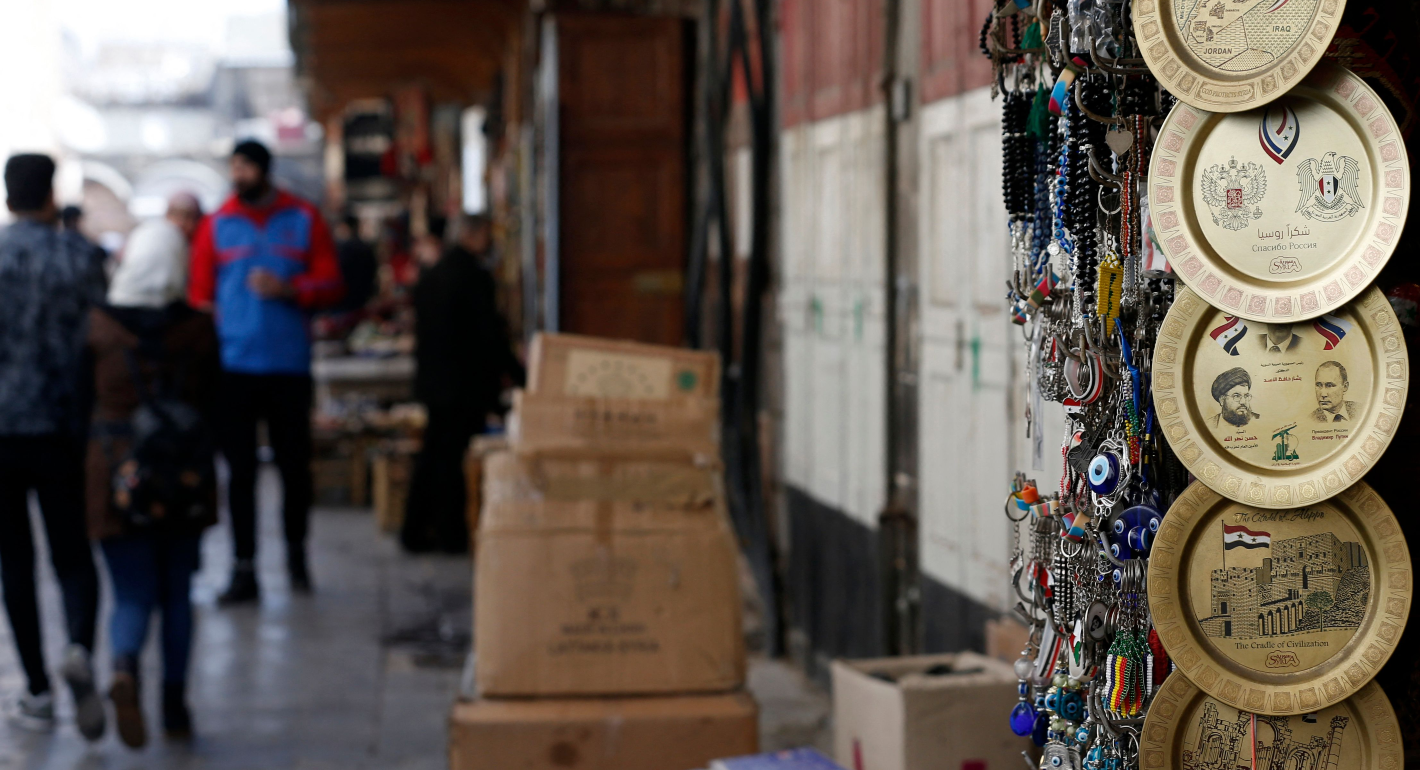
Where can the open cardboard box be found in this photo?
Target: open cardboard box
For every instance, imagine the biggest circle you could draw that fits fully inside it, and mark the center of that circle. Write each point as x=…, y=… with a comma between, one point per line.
x=929, y=712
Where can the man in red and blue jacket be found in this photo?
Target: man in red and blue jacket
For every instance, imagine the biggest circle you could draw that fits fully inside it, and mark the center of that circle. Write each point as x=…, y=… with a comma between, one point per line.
x=261, y=263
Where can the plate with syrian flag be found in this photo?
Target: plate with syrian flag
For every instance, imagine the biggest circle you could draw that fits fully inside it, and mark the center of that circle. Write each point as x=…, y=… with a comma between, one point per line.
x=1186, y=728
x=1279, y=612
x=1286, y=211
x=1279, y=414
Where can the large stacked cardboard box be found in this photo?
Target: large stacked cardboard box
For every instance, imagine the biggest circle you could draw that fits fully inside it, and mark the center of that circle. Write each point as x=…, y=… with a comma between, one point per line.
x=607, y=620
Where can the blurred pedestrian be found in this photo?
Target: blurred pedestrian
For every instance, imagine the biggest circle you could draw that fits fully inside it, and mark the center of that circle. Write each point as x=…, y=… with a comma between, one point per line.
x=48, y=282
x=71, y=220
x=262, y=262
x=462, y=356
x=358, y=266
x=151, y=477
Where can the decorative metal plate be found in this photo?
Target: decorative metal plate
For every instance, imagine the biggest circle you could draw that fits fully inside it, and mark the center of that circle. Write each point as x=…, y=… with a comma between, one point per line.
x=1231, y=55
x=1279, y=612
x=1188, y=729
x=1277, y=415
x=1286, y=212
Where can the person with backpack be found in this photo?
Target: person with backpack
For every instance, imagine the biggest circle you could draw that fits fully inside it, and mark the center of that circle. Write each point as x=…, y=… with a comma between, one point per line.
x=151, y=484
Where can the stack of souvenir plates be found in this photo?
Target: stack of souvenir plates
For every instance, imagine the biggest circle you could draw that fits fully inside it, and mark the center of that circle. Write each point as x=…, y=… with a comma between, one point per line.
x=1279, y=582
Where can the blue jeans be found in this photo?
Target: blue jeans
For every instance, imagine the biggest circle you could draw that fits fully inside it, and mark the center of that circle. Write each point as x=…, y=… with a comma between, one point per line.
x=152, y=571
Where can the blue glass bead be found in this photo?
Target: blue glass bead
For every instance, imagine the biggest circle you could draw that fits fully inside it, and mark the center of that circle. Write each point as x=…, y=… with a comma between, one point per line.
x=1023, y=689
x=1042, y=726
x=1022, y=719
x=1072, y=707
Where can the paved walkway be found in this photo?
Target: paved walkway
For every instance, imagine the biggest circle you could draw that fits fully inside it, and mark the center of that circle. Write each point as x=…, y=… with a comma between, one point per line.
x=360, y=675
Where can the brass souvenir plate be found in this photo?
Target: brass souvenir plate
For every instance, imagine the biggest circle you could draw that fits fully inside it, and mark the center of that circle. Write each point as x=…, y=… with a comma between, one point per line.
x=1286, y=212
x=1188, y=729
x=1277, y=415
x=1279, y=612
x=1231, y=55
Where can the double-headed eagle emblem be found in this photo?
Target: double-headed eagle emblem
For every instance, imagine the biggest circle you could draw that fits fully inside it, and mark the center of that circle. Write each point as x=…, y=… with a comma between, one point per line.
x=1233, y=193
x=1329, y=188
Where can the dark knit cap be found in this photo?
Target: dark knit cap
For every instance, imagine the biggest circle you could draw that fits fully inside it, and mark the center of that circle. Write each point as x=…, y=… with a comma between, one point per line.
x=29, y=181
x=1230, y=379
x=255, y=152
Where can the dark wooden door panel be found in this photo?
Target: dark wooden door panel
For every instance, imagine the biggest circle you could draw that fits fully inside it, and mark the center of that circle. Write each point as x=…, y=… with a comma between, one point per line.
x=622, y=176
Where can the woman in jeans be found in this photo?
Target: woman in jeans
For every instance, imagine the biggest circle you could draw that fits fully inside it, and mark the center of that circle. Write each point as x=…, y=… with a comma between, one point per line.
x=155, y=365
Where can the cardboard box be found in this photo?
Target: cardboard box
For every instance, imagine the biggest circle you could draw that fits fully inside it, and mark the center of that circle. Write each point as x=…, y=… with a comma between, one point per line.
x=390, y=473
x=917, y=721
x=679, y=733
x=605, y=577
x=578, y=366
x=480, y=447
x=626, y=427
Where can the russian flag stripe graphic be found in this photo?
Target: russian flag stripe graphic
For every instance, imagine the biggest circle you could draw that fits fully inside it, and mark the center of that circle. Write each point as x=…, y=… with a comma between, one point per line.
x=1278, y=131
x=1331, y=329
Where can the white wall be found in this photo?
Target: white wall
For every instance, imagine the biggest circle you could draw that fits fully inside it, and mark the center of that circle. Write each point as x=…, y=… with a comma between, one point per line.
x=972, y=436
x=831, y=306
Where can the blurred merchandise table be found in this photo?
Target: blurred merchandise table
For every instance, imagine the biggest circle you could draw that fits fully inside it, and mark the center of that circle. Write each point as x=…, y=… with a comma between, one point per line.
x=386, y=379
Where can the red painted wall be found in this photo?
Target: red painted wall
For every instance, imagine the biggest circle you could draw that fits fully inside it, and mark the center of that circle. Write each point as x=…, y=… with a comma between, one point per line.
x=832, y=54
x=832, y=57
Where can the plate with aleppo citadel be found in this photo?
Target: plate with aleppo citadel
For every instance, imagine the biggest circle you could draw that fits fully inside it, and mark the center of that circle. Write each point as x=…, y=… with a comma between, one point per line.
x=1279, y=611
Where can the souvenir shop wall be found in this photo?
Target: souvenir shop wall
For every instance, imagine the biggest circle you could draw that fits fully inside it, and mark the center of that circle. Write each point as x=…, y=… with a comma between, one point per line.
x=1208, y=243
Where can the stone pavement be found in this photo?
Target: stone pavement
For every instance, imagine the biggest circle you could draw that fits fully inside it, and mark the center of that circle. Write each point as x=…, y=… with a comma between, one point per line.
x=360, y=675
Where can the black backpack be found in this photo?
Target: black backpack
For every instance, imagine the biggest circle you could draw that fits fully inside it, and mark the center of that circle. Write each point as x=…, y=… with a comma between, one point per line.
x=168, y=476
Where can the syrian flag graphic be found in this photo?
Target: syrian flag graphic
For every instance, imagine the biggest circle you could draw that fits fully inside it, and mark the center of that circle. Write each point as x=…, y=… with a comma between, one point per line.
x=1331, y=329
x=1242, y=537
x=1229, y=334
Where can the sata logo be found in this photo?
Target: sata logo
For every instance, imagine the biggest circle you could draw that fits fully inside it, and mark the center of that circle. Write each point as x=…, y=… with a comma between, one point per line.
x=1282, y=660
x=1286, y=265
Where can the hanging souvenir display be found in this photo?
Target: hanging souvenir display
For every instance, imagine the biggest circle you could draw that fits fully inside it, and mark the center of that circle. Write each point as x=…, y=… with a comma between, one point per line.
x=1233, y=55
x=1285, y=212
x=1095, y=255
x=1280, y=414
x=1190, y=730
x=1279, y=612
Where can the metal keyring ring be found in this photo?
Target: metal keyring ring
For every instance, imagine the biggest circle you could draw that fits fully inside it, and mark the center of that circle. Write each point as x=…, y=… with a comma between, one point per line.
x=1009, y=506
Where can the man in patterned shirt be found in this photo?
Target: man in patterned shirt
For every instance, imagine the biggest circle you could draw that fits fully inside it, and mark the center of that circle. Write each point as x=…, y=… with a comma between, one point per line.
x=48, y=281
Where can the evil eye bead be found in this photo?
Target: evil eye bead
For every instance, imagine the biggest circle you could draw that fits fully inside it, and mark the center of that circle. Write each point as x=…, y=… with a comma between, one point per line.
x=1057, y=761
x=1154, y=522
x=1119, y=576
x=1072, y=708
x=1140, y=538
x=1119, y=527
x=1104, y=473
x=1121, y=551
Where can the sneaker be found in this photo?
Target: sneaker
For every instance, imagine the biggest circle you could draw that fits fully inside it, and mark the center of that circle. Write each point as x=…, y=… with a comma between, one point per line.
x=128, y=709
x=32, y=712
x=78, y=673
x=243, y=589
x=177, y=719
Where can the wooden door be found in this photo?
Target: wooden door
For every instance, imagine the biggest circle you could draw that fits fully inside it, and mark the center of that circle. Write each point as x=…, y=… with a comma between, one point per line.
x=622, y=180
